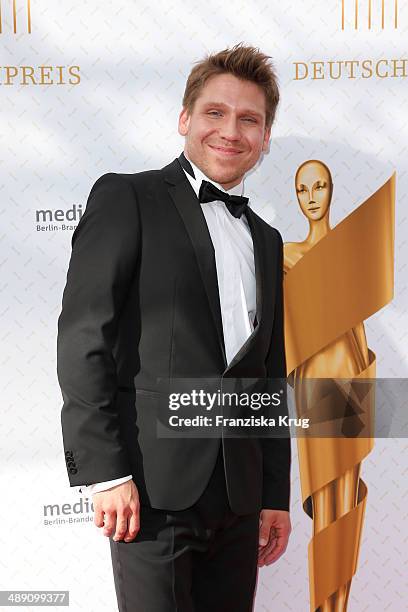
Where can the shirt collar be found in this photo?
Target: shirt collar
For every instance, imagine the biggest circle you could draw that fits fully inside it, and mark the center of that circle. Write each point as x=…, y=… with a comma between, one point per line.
x=200, y=176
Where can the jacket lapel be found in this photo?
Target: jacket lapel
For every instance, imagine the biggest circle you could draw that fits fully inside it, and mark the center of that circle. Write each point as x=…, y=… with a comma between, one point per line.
x=189, y=208
x=260, y=254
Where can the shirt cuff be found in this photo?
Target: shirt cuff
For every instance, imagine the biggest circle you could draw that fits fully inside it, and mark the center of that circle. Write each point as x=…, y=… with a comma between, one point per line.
x=88, y=490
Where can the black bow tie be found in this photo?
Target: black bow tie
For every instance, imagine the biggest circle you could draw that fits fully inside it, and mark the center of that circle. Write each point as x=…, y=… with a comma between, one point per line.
x=235, y=204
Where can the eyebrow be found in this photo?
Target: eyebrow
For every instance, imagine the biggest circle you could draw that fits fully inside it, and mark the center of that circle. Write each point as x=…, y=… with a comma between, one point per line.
x=323, y=181
x=245, y=111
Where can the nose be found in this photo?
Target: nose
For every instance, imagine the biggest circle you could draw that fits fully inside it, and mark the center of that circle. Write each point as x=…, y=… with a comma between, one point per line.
x=229, y=129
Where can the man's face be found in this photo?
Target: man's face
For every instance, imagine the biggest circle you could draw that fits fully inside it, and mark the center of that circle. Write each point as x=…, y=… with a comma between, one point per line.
x=225, y=133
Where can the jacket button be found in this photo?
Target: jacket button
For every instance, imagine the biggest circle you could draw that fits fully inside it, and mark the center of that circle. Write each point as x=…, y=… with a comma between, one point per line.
x=73, y=470
x=69, y=453
x=71, y=463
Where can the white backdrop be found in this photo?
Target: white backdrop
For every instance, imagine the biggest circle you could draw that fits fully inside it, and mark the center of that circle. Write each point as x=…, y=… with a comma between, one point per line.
x=120, y=115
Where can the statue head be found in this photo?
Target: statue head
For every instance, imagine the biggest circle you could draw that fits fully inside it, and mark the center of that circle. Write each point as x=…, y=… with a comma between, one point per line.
x=314, y=188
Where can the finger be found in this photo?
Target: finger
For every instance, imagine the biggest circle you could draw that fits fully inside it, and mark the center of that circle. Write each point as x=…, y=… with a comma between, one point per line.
x=268, y=537
x=133, y=526
x=98, y=517
x=109, y=522
x=121, y=526
x=277, y=551
x=264, y=533
x=266, y=551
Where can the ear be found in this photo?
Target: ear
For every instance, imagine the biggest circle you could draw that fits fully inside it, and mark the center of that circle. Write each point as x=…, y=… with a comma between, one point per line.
x=183, y=122
x=267, y=135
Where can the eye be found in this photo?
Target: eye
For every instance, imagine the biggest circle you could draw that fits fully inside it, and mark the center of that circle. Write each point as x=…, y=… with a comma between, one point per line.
x=214, y=113
x=250, y=119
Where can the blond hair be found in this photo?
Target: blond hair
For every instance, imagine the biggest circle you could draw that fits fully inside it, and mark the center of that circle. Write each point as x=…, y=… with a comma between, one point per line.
x=244, y=62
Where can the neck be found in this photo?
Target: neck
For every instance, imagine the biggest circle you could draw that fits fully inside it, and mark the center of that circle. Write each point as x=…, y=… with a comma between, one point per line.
x=227, y=186
x=318, y=229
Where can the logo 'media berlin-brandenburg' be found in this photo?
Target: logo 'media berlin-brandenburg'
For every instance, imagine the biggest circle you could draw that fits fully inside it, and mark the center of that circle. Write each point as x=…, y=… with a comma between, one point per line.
x=369, y=14
x=19, y=13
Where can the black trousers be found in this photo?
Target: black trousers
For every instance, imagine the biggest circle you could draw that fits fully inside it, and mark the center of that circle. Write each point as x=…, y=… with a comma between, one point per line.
x=201, y=559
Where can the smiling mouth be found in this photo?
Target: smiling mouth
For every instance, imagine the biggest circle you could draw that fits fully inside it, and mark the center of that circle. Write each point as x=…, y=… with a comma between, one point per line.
x=225, y=150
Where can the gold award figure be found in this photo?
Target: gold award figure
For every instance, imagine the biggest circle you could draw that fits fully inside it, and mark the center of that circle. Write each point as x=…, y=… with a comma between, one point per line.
x=335, y=279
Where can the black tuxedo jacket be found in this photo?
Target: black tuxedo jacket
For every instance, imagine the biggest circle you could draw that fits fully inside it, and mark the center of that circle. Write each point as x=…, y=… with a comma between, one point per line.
x=141, y=301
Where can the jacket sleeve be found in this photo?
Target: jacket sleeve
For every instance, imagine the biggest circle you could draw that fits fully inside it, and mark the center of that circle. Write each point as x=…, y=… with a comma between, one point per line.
x=277, y=450
x=104, y=257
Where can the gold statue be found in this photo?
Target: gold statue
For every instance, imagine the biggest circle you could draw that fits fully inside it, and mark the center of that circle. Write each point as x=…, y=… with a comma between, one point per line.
x=331, y=492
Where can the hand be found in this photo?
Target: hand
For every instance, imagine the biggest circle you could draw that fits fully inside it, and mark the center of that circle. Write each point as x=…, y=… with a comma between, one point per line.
x=121, y=508
x=274, y=530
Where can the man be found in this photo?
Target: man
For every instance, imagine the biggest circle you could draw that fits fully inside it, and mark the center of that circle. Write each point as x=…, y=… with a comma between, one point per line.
x=172, y=275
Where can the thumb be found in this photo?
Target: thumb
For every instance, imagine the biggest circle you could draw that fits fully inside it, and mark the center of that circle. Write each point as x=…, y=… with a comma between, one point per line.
x=264, y=533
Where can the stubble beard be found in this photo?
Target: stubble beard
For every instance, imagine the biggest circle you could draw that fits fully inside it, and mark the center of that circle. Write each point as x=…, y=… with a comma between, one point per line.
x=221, y=175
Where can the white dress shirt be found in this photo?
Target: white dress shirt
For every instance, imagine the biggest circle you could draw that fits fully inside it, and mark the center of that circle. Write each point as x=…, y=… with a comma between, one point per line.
x=234, y=259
